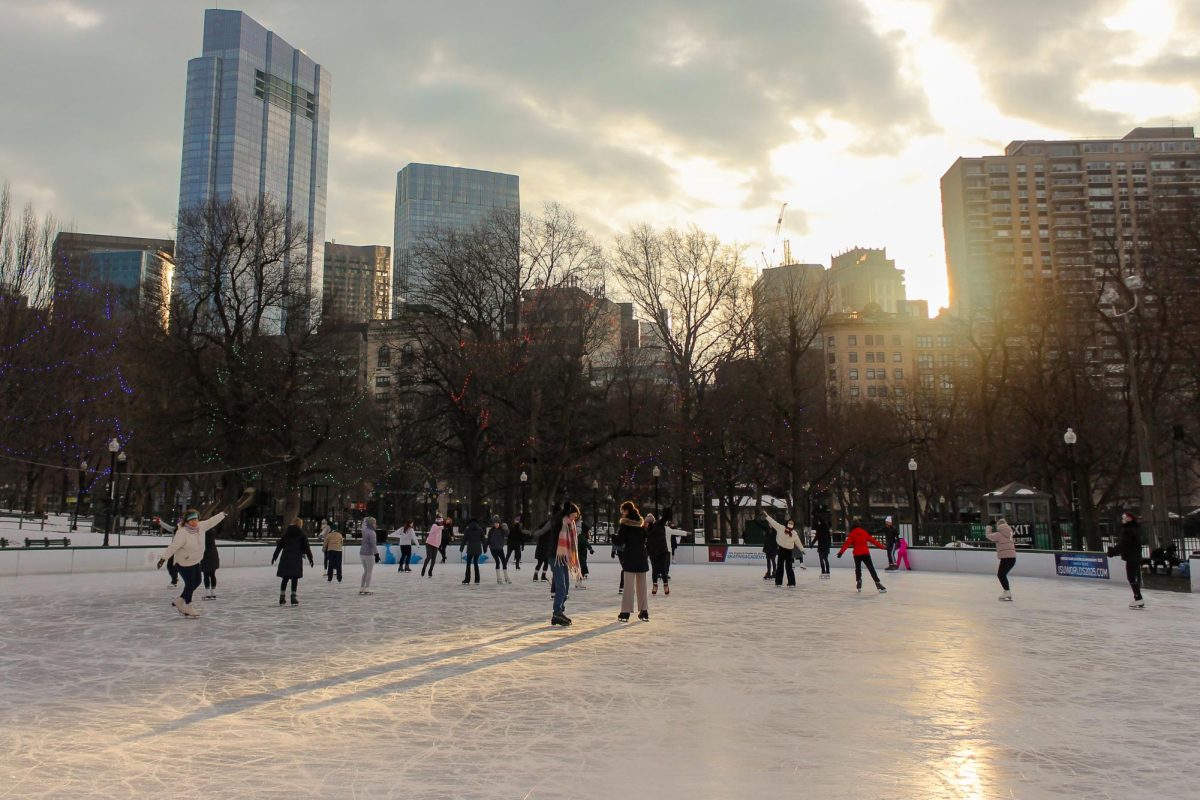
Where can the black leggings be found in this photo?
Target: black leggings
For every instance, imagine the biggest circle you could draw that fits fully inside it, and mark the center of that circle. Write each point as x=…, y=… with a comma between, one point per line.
x=823, y=557
x=500, y=558
x=1133, y=572
x=662, y=567
x=405, y=558
x=858, y=565
x=1006, y=564
x=514, y=554
x=210, y=579
x=541, y=564
x=284, y=582
x=770, y=563
x=783, y=562
x=431, y=554
x=472, y=559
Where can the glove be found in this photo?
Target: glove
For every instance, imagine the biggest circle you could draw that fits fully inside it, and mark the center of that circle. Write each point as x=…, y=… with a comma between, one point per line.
x=160, y=563
x=377, y=558
x=839, y=555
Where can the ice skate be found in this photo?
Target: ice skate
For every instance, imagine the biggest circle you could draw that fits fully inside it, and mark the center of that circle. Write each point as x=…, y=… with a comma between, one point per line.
x=499, y=580
x=559, y=619
x=465, y=581
x=282, y=599
x=644, y=616
x=1138, y=604
x=179, y=605
x=1005, y=595
x=190, y=612
x=295, y=600
x=666, y=588
x=881, y=588
x=858, y=584
x=654, y=589
x=623, y=616
x=535, y=577
x=506, y=580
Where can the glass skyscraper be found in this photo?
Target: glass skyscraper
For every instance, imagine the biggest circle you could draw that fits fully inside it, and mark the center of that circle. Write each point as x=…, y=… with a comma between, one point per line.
x=431, y=198
x=256, y=124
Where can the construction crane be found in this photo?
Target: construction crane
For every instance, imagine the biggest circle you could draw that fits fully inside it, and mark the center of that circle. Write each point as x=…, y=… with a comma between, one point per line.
x=775, y=243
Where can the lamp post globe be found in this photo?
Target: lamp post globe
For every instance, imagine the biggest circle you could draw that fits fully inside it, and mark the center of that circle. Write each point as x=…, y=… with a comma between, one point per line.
x=113, y=447
x=916, y=511
x=1069, y=439
x=657, y=473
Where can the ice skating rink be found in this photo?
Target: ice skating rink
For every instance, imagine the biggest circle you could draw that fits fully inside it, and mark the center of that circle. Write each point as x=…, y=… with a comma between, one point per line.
x=734, y=689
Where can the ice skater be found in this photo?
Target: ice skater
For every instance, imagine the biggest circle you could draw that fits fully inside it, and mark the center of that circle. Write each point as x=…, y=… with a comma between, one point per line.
x=583, y=546
x=566, y=562
x=332, y=548
x=447, y=536
x=210, y=563
x=770, y=553
x=861, y=541
x=890, y=537
x=472, y=542
x=544, y=548
x=788, y=542
x=187, y=548
x=496, y=538
x=658, y=547
x=407, y=538
x=1006, y=551
x=291, y=550
x=635, y=562
x=368, y=553
x=516, y=543
x=618, y=552
x=433, y=542
x=325, y=528
x=902, y=553
x=822, y=540
x=1129, y=548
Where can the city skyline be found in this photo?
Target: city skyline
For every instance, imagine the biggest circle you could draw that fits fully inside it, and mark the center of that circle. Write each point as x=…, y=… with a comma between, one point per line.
x=725, y=117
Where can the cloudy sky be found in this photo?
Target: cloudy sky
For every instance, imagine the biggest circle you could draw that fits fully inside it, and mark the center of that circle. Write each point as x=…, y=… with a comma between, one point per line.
x=664, y=111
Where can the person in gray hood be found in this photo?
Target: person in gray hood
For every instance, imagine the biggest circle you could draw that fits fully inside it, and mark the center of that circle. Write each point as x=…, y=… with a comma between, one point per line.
x=497, y=535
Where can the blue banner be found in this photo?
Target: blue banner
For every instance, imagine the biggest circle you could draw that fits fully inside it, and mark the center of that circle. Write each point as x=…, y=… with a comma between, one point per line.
x=1081, y=565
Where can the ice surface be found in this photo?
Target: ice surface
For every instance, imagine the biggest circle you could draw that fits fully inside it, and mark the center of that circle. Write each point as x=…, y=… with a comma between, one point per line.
x=430, y=689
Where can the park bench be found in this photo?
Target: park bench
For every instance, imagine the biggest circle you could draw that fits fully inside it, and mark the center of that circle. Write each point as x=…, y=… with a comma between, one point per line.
x=64, y=542
x=4, y=543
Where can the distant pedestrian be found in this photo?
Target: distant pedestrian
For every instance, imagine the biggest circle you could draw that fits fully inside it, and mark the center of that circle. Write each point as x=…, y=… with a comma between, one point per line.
x=406, y=536
x=861, y=541
x=368, y=553
x=1006, y=551
x=433, y=544
x=497, y=536
x=332, y=548
x=1129, y=548
x=822, y=539
x=291, y=550
x=516, y=543
x=472, y=543
x=187, y=548
x=635, y=563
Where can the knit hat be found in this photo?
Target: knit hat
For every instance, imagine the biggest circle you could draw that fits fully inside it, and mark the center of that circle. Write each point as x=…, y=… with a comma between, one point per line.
x=888, y=520
x=495, y=518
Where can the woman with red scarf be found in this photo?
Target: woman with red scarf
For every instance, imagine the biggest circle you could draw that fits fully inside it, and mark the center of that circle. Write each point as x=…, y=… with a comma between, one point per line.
x=566, y=562
x=862, y=542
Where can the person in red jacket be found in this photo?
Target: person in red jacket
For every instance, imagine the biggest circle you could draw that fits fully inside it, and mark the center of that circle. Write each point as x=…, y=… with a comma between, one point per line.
x=862, y=542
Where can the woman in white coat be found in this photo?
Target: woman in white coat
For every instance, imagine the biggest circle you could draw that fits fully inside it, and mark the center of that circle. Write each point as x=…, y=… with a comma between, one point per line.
x=187, y=547
x=788, y=540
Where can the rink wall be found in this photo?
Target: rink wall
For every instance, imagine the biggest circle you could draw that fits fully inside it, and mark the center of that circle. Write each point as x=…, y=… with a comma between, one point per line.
x=19, y=561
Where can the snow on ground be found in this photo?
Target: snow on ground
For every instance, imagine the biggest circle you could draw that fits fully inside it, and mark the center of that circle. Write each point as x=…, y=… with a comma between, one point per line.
x=58, y=526
x=430, y=689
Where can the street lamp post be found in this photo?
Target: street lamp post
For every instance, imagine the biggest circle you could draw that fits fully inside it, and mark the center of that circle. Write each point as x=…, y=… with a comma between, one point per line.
x=595, y=508
x=1176, y=438
x=79, y=495
x=807, y=487
x=1070, y=438
x=916, y=511
x=656, y=473
x=524, y=486
x=121, y=460
x=113, y=447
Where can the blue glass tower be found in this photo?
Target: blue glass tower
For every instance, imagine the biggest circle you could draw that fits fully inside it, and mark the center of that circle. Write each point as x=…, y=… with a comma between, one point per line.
x=256, y=124
x=431, y=198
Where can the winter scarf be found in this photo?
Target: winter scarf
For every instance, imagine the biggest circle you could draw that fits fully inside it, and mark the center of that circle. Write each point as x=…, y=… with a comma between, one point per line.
x=568, y=538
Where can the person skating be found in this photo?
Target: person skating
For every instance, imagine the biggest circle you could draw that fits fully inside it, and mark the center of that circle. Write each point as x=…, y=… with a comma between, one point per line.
x=890, y=535
x=861, y=541
x=788, y=540
x=407, y=538
x=516, y=543
x=770, y=550
x=635, y=563
x=823, y=541
x=187, y=548
x=368, y=553
x=433, y=543
x=472, y=542
x=291, y=550
x=1129, y=548
x=332, y=548
x=497, y=535
x=566, y=562
x=658, y=547
x=544, y=549
x=618, y=552
x=447, y=536
x=325, y=528
x=1006, y=551
x=902, y=553
x=583, y=546
x=210, y=563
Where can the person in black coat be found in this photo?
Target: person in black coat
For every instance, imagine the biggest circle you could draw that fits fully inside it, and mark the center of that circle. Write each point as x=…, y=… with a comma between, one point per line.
x=585, y=548
x=1129, y=548
x=547, y=537
x=516, y=542
x=891, y=538
x=770, y=551
x=658, y=548
x=472, y=542
x=822, y=540
x=291, y=550
x=210, y=564
x=635, y=562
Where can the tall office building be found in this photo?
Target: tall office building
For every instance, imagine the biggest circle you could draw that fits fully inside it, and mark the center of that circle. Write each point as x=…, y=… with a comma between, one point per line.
x=431, y=198
x=357, y=283
x=256, y=124
x=864, y=275
x=1054, y=212
x=141, y=267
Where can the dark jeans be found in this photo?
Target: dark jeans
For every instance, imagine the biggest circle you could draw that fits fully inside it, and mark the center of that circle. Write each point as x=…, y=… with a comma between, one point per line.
x=210, y=579
x=283, y=582
x=191, y=579
x=562, y=587
x=858, y=565
x=514, y=553
x=172, y=570
x=442, y=549
x=783, y=561
x=823, y=557
x=1006, y=565
x=891, y=551
x=1133, y=571
x=472, y=560
x=405, y=558
x=661, y=564
x=771, y=561
x=583, y=570
x=333, y=563
x=500, y=558
x=431, y=554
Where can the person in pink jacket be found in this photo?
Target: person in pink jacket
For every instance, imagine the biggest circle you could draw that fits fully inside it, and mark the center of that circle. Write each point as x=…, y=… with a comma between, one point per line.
x=902, y=554
x=433, y=541
x=1006, y=551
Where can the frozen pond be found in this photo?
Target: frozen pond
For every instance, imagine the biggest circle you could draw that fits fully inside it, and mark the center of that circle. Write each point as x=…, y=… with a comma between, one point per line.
x=430, y=689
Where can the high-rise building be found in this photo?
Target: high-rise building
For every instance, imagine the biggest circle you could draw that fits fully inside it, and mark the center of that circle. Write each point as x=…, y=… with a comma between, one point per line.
x=1054, y=212
x=140, y=266
x=863, y=276
x=357, y=282
x=431, y=199
x=256, y=124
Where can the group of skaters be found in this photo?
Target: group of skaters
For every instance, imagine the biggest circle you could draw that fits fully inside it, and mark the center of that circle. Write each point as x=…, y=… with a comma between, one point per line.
x=642, y=544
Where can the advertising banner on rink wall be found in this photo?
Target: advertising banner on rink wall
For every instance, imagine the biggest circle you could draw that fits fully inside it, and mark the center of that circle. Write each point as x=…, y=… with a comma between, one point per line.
x=734, y=554
x=1081, y=565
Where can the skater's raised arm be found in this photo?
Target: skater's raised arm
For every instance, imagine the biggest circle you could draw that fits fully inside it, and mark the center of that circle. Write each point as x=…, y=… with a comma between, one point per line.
x=212, y=521
x=775, y=526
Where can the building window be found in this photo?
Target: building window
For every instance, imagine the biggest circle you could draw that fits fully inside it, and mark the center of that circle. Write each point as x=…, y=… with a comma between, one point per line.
x=898, y=374
x=383, y=380
x=945, y=360
x=898, y=391
x=924, y=341
x=852, y=340
x=927, y=381
x=872, y=392
x=897, y=358
x=947, y=383
x=385, y=356
x=408, y=357
x=870, y=357
x=925, y=361
x=854, y=358
x=853, y=375
x=896, y=341
x=831, y=358
x=854, y=391
x=944, y=341
x=879, y=359
x=830, y=340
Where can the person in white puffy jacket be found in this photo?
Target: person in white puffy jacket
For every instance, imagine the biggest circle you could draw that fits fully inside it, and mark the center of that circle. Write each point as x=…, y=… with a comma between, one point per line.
x=187, y=546
x=788, y=540
x=407, y=538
